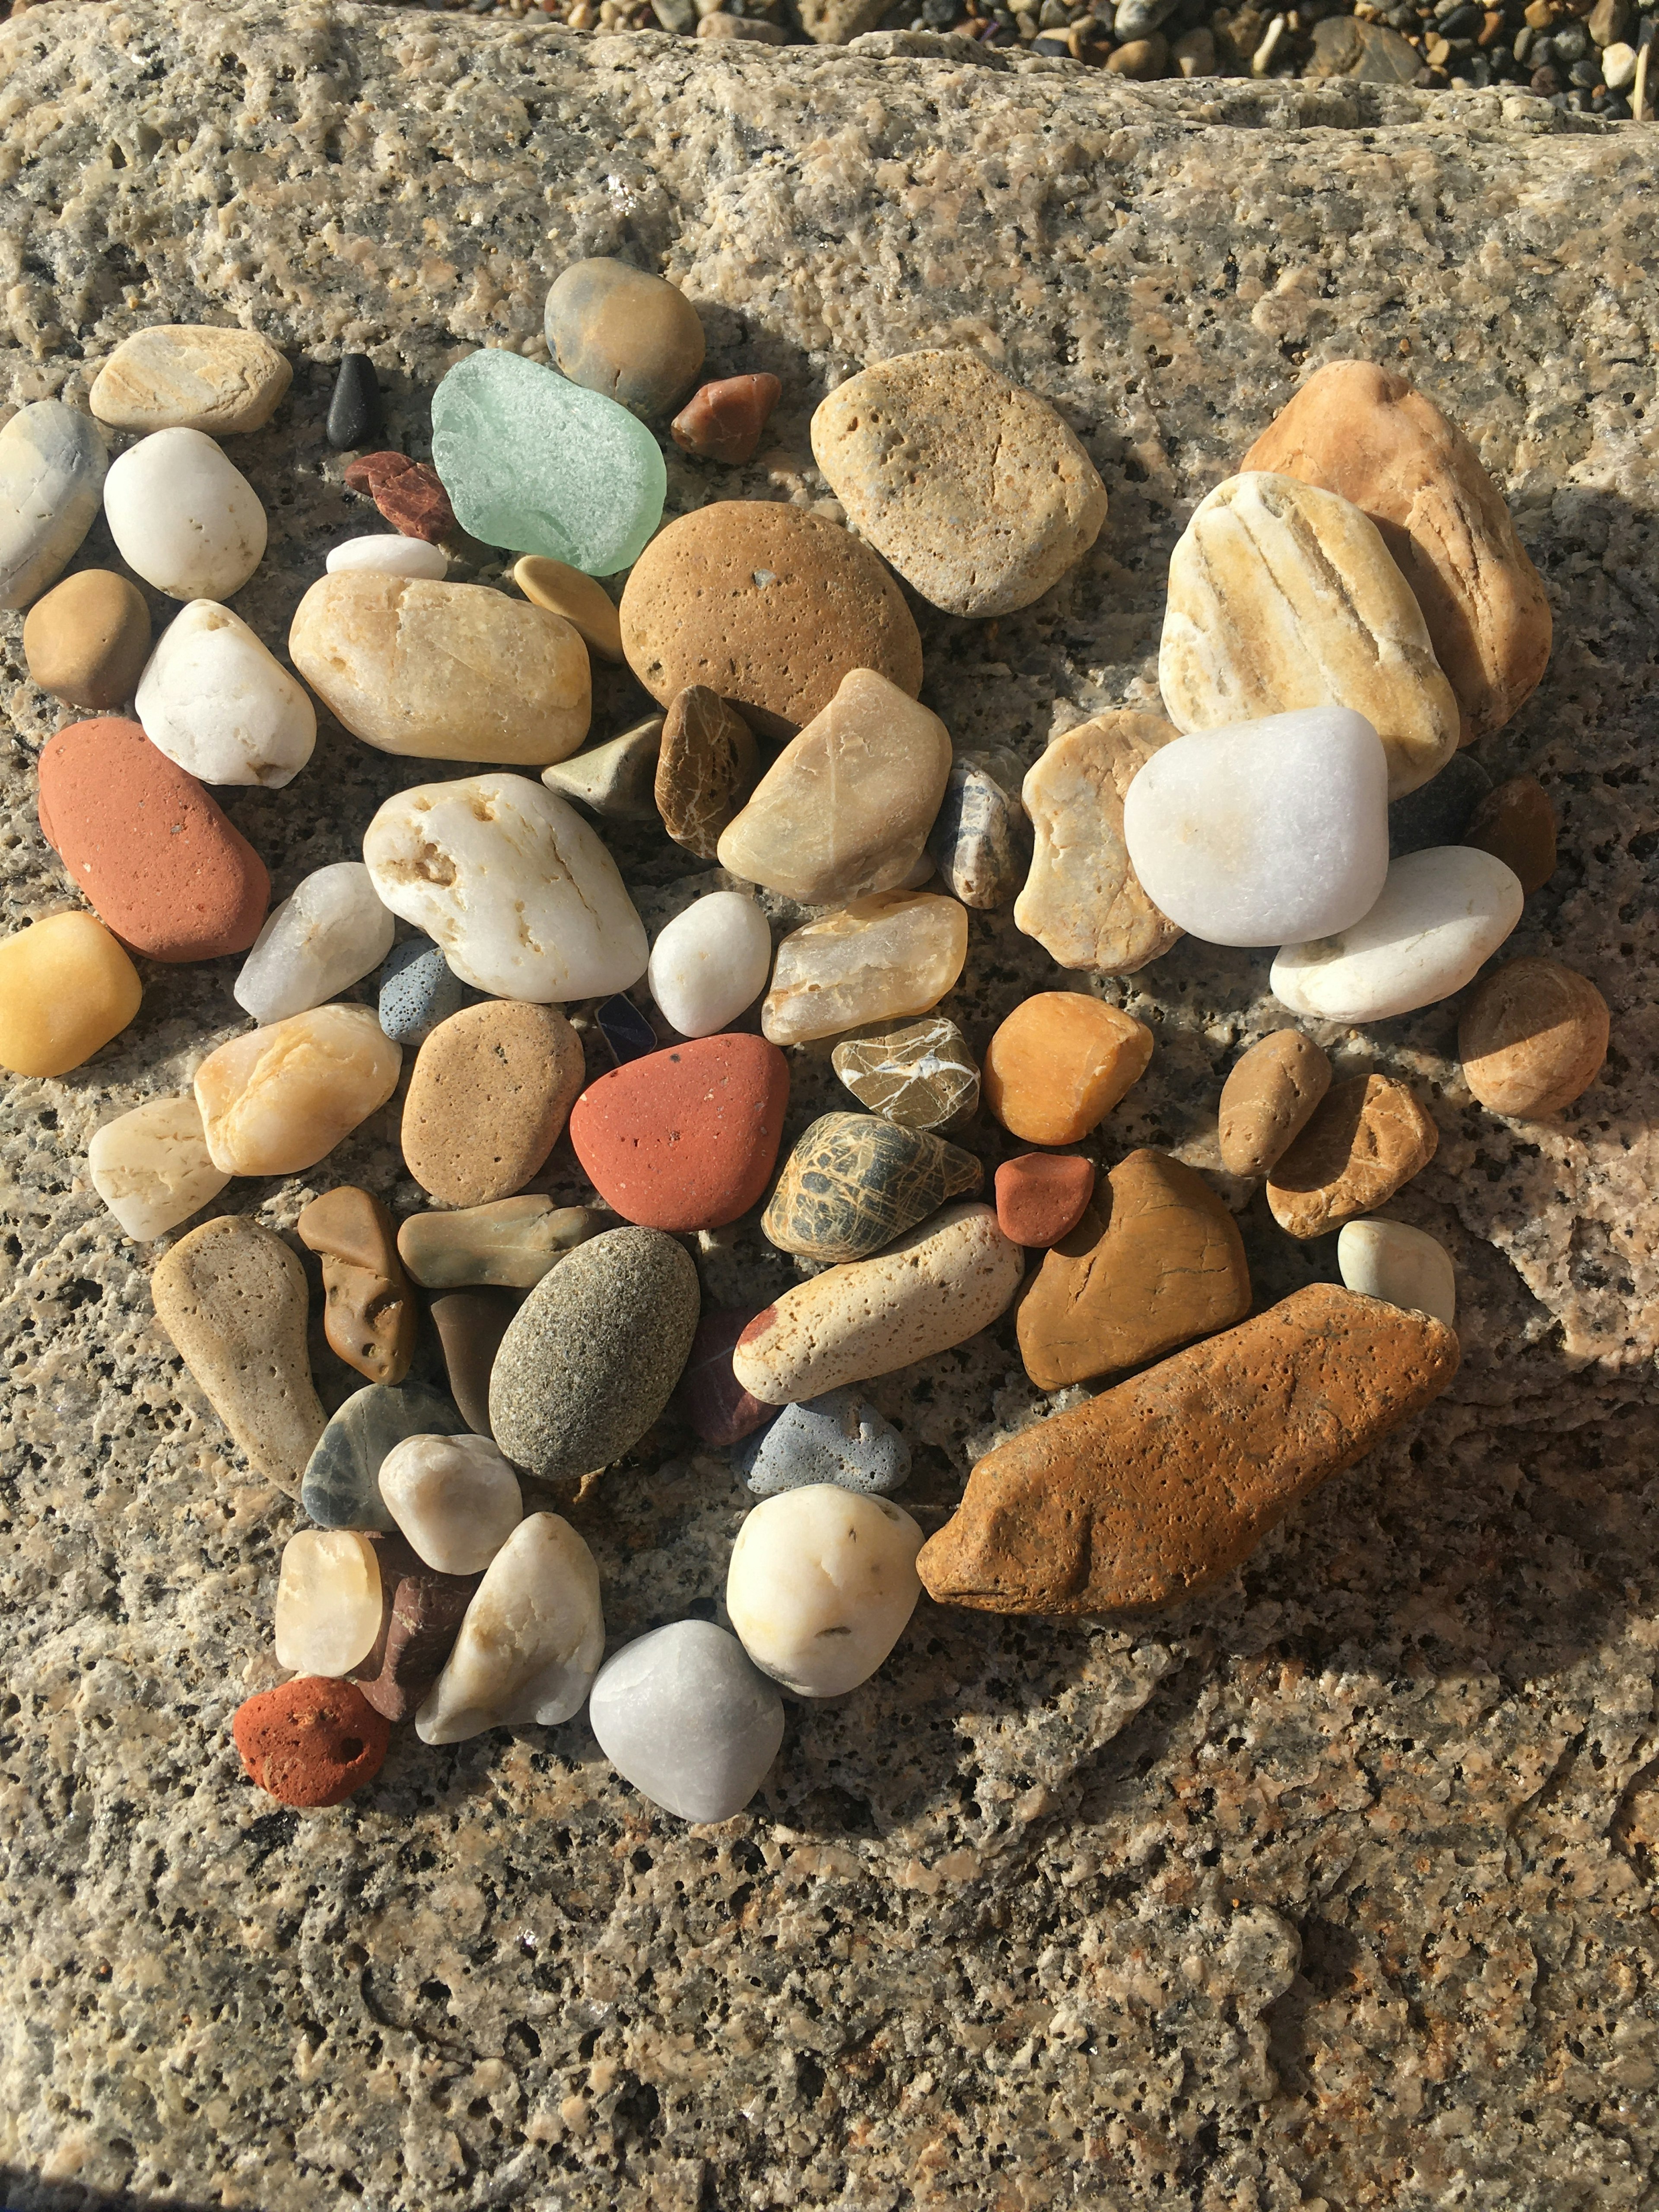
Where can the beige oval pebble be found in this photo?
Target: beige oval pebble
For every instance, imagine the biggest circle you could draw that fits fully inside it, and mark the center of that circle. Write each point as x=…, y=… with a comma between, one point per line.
x=281, y=1098
x=88, y=639
x=1269, y=1098
x=190, y=376
x=491, y=1091
x=581, y=600
x=152, y=1167
x=876, y=961
x=1083, y=901
x=1533, y=1037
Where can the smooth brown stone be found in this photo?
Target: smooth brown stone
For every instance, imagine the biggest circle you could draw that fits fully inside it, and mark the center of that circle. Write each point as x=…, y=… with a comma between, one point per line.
x=370, y=1315
x=1516, y=823
x=706, y=769
x=1060, y=1063
x=1156, y=1260
x=1367, y=1138
x=87, y=641
x=723, y=421
x=423, y=1616
x=740, y=27
x=492, y=1089
x=1533, y=1038
x=1267, y=1099
x=471, y=1325
x=1142, y=59
x=620, y=331
x=1157, y=1489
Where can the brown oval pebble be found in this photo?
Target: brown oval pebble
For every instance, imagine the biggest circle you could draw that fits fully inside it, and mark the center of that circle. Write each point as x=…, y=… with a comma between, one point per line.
x=312, y=1741
x=1515, y=822
x=149, y=849
x=768, y=606
x=1143, y=59
x=1368, y=1137
x=1266, y=1101
x=706, y=769
x=87, y=641
x=723, y=421
x=492, y=1089
x=620, y=331
x=1533, y=1038
x=369, y=1316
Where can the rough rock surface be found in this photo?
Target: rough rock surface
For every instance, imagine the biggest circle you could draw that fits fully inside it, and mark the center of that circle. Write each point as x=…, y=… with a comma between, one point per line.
x=1338, y=1884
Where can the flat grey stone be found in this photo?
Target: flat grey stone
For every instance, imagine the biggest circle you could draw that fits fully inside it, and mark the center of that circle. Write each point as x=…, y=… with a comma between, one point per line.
x=839, y=1438
x=686, y=1717
x=341, y=1489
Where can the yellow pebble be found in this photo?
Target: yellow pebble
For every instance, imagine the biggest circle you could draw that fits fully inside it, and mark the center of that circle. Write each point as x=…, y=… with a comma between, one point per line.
x=66, y=987
x=585, y=605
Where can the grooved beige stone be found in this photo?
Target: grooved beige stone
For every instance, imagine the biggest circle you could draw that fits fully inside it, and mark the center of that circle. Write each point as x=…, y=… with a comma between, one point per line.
x=1083, y=901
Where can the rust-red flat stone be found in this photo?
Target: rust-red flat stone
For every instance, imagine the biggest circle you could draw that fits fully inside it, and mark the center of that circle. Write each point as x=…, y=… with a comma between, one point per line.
x=687, y=1138
x=708, y=1395
x=1041, y=1196
x=409, y=493
x=723, y=421
x=312, y=1741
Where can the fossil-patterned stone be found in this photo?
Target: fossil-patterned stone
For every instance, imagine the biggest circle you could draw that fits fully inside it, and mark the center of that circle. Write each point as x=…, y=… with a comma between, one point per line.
x=854, y=1181
x=1367, y=1138
x=705, y=770
x=1083, y=901
x=311, y=1741
x=1060, y=1063
x=490, y=1093
x=1516, y=823
x=1533, y=1037
x=370, y=1314
x=876, y=960
x=921, y=1074
x=1267, y=1097
x=512, y=1242
x=190, y=376
x=981, y=840
x=422, y=1614
x=342, y=1486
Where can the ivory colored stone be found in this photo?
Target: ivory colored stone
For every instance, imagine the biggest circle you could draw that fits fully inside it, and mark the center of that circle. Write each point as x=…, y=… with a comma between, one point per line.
x=212, y=699
x=327, y=934
x=190, y=376
x=184, y=517
x=1156, y=1490
x=280, y=1099
x=1444, y=912
x=822, y=1584
x=1368, y=1137
x=616, y=780
x=512, y=1242
x=1533, y=1037
x=1059, y=1064
x=388, y=553
x=877, y=960
x=491, y=1091
x=1284, y=596
x=532, y=1641
x=66, y=988
x=328, y=1601
x=52, y=461
x=620, y=331
x=233, y=1298
x=1367, y=434
x=1267, y=1097
x=370, y=1314
x=1406, y=1266
x=934, y=1289
x=1516, y=823
x=684, y=1715
x=456, y=1498
x=151, y=1166
x=582, y=601
x=710, y=962
x=512, y=885
x=706, y=769
x=443, y=671
x=1083, y=901
x=88, y=639
x=845, y=810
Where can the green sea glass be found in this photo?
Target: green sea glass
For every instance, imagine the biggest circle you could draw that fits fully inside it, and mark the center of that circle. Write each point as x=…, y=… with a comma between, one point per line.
x=538, y=465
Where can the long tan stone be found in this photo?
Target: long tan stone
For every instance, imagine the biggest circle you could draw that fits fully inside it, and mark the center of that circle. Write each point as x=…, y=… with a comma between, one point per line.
x=190, y=376
x=1083, y=901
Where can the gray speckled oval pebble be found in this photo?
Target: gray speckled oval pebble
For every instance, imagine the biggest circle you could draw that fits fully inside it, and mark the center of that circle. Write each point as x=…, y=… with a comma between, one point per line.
x=342, y=1487
x=53, y=464
x=418, y=990
x=839, y=1438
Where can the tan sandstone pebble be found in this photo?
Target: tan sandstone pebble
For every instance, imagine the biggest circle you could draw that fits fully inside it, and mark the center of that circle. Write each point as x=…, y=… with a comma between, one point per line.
x=1533, y=1037
x=369, y=1316
x=1367, y=1138
x=279, y=1099
x=975, y=490
x=190, y=376
x=768, y=606
x=1267, y=1098
x=311, y=1741
x=706, y=769
x=1059, y=1064
x=232, y=1296
x=1369, y=434
x=87, y=641
x=1516, y=823
x=1083, y=901
x=582, y=600
x=1156, y=1260
x=1157, y=1489
x=492, y=1089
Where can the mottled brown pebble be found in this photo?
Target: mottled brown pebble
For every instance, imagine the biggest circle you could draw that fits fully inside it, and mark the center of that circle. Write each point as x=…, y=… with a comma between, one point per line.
x=1267, y=1099
x=1515, y=822
x=1533, y=1037
x=370, y=1314
x=706, y=769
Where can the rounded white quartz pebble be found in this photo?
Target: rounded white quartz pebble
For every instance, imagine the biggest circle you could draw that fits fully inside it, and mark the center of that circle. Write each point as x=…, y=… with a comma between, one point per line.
x=183, y=517
x=512, y=885
x=391, y=554
x=152, y=1167
x=821, y=1584
x=456, y=1498
x=329, y=1601
x=214, y=700
x=329, y=930
x=530, y=1643
x=1406, y=1266
x=710, y=962
x=1264, y=830
x=1441, y=913
x=685, y=1716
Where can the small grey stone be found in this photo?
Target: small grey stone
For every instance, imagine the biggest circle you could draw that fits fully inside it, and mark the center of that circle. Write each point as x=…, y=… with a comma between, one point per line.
x=53, y=464
x=675, y=15
x=418, y=990
x=686, y=1717
x=341, y=1489
x=981, y=840
x=839, y=1438
x=616, y=780
x=1138, y=19
x=1438, y=811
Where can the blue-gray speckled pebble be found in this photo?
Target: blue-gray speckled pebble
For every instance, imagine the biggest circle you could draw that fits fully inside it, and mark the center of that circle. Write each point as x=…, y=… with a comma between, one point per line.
x=839, y=1438
x=341, y=1489
x=418, y=990
x=53, y=464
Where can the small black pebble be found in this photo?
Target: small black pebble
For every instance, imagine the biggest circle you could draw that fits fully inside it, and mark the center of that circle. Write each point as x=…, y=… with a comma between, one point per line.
x=354, y=413
x=625, y=1029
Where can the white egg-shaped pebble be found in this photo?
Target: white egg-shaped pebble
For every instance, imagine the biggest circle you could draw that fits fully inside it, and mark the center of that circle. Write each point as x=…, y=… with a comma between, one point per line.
x=1404, y=1266
x=391, y=554
x=214, y=700
x=711, y=962
x=1443, y=911
x=456, y=1498
x=821, y=1584
x=184, y=517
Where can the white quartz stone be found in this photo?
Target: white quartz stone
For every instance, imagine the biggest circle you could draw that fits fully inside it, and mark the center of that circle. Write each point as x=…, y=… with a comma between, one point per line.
x=214, y=700
x=1443, y=911
x=152, y=1167
x=685, y=1716
x=329, y=930
x=184, y=517
x=532, y=1641
x=329, y=1601
x=1265, y=830
x=821, y=1584
x=392, y=554
x=710, y=962
x=514, y=887
x=456, y=1498
x=1406, y=1266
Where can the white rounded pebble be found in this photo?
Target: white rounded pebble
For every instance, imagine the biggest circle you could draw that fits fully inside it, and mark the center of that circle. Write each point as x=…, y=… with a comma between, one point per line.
x=1443, y=911
x=685, y=1716
x=1263, y=831
x=821, y=1584
x=710, y=963
x=1406, y=1267
x=456, y=1498
x=329, y=1601
x=331, y=930
x=183, y=517
x=214, y=700
x=391, y=554
x=530, y=1643
x=152, y=1167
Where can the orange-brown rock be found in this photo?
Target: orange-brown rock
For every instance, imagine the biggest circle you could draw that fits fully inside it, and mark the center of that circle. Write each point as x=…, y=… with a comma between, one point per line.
x=492, y=1089
x=1267, y=1099
x=1059, y=1064
x=1368, y=1137
x=311, y=1741
x=1516, y=823
x=370, y=1315
x=1156, y=1260
x=1533, y=1037
x=1370, y=435
x=1155, y=1490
